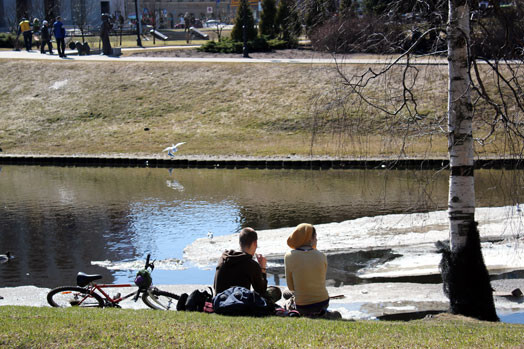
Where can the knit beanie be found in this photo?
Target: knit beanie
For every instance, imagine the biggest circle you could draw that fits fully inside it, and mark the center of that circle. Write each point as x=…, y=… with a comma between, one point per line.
x=301, y=236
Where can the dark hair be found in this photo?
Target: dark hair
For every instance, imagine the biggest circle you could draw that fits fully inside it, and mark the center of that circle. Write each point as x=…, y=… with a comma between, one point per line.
x=314, y=233
x=247, y=237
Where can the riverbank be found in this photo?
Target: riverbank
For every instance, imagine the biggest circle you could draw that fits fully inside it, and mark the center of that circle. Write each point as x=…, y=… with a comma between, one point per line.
x=222, y=108
x=371, y=301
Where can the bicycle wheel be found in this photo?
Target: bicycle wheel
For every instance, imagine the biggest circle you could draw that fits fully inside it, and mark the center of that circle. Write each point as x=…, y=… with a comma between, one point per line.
x=72, y=296
x=160, y=300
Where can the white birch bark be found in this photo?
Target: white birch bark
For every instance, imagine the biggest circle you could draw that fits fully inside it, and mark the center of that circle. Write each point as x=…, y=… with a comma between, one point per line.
x=461, y=203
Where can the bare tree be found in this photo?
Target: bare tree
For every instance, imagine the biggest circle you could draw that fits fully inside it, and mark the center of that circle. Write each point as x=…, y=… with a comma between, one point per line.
x=11, y=17
x=83, y=12
x=218, y=27
x=484, y=87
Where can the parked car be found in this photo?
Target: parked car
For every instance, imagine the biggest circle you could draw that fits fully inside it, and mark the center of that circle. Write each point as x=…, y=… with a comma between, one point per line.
x=213, y=23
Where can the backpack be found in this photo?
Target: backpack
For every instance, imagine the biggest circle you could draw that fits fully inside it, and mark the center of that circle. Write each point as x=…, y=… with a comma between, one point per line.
x=240, y=301
x=195, y=301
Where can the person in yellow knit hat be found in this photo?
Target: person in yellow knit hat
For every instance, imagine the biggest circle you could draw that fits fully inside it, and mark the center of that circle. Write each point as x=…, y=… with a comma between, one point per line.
x=306, y=269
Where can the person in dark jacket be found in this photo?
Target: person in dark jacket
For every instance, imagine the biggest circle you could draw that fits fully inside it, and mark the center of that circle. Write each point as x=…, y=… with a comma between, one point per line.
x=59, y=32
x=45, y=35
x=105, y=28
x=237, y=268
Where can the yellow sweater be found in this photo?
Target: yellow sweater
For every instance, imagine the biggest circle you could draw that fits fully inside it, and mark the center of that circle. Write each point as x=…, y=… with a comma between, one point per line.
x=306, y=276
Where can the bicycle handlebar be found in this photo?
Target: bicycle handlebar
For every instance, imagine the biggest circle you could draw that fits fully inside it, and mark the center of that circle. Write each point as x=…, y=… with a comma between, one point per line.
x=149, y=265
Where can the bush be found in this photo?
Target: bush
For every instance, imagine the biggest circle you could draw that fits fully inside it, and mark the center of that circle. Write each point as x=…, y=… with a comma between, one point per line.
x=500, y=36
x=279, y=44
x=370, y=35
x=493, y=35
x=7, y=40
x=257, y=45
x=223, y=46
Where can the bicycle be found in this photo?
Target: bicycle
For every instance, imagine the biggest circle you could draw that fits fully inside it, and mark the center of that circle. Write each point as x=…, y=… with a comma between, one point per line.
x=87, y=293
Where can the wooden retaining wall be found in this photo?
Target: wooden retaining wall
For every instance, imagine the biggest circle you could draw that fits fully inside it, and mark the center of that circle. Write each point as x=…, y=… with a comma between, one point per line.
x=310, y=164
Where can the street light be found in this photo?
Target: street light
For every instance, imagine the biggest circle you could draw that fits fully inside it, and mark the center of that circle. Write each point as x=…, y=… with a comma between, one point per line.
x=244, y=29
x=138, y=40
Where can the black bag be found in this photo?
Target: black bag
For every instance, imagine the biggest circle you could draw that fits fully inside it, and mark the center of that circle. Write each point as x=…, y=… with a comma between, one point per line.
x=181, y=304
x=241, y=302
x=197, y=299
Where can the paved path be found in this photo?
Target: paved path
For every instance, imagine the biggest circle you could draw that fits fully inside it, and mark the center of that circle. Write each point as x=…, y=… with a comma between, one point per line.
x=36, y=55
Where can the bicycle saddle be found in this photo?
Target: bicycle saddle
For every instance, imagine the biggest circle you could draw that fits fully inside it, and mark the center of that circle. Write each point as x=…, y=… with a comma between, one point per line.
x=83, y=279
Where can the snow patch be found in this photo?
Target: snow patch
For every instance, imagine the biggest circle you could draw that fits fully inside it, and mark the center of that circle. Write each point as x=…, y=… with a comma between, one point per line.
x=411, y=235
x=59, y=84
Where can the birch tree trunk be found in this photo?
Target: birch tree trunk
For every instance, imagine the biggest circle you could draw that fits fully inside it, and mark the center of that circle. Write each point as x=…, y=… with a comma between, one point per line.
x=461, y=204
x=465, y=277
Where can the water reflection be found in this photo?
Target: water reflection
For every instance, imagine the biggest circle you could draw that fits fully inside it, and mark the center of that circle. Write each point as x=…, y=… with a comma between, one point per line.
x=57, y=220
x=157, y=224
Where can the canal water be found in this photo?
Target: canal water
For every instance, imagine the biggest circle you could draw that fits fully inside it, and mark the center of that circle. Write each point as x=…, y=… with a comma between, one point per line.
x=57, y=221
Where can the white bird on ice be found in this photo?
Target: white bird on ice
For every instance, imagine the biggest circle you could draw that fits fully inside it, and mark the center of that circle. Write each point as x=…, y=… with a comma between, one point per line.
x=173, y=148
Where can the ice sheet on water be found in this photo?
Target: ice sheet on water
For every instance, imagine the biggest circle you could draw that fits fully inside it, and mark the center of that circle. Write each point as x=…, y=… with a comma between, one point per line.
x=411, y=235
x=164, y=264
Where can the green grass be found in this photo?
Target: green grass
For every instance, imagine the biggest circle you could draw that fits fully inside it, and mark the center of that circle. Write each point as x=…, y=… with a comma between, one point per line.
x=129, y=41
x=24, y=327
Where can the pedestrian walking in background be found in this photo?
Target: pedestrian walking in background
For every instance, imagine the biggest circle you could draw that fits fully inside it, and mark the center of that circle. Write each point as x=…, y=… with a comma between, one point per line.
x=36, y=31
x=59, y=33
x=36, y=26
x=25, y=28
x=45, y=36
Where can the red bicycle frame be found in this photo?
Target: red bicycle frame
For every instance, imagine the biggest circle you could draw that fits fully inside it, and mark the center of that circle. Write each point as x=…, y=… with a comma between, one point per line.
x=114, y=301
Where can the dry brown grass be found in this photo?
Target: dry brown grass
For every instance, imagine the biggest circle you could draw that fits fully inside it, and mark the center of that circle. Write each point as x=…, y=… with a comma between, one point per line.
x=218, y=109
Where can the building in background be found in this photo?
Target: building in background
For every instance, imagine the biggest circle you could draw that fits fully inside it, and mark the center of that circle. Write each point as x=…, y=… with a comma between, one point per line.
x=168, y=13
x=73, y=12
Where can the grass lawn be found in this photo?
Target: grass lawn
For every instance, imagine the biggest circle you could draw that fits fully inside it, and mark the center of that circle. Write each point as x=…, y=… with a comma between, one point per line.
x=24, y=327
x=61, y=107
x=128, y=41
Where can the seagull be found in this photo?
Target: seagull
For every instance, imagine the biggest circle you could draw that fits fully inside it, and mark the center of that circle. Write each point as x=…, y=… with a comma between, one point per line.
x=4, y=258
x=173, y=148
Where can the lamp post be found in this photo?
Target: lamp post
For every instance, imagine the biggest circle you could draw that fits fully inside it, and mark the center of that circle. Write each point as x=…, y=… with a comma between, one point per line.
x=244, y=29
x=138, y=40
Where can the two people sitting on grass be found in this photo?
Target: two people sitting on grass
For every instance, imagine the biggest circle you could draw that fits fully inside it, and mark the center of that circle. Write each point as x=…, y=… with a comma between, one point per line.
x=305, y=271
